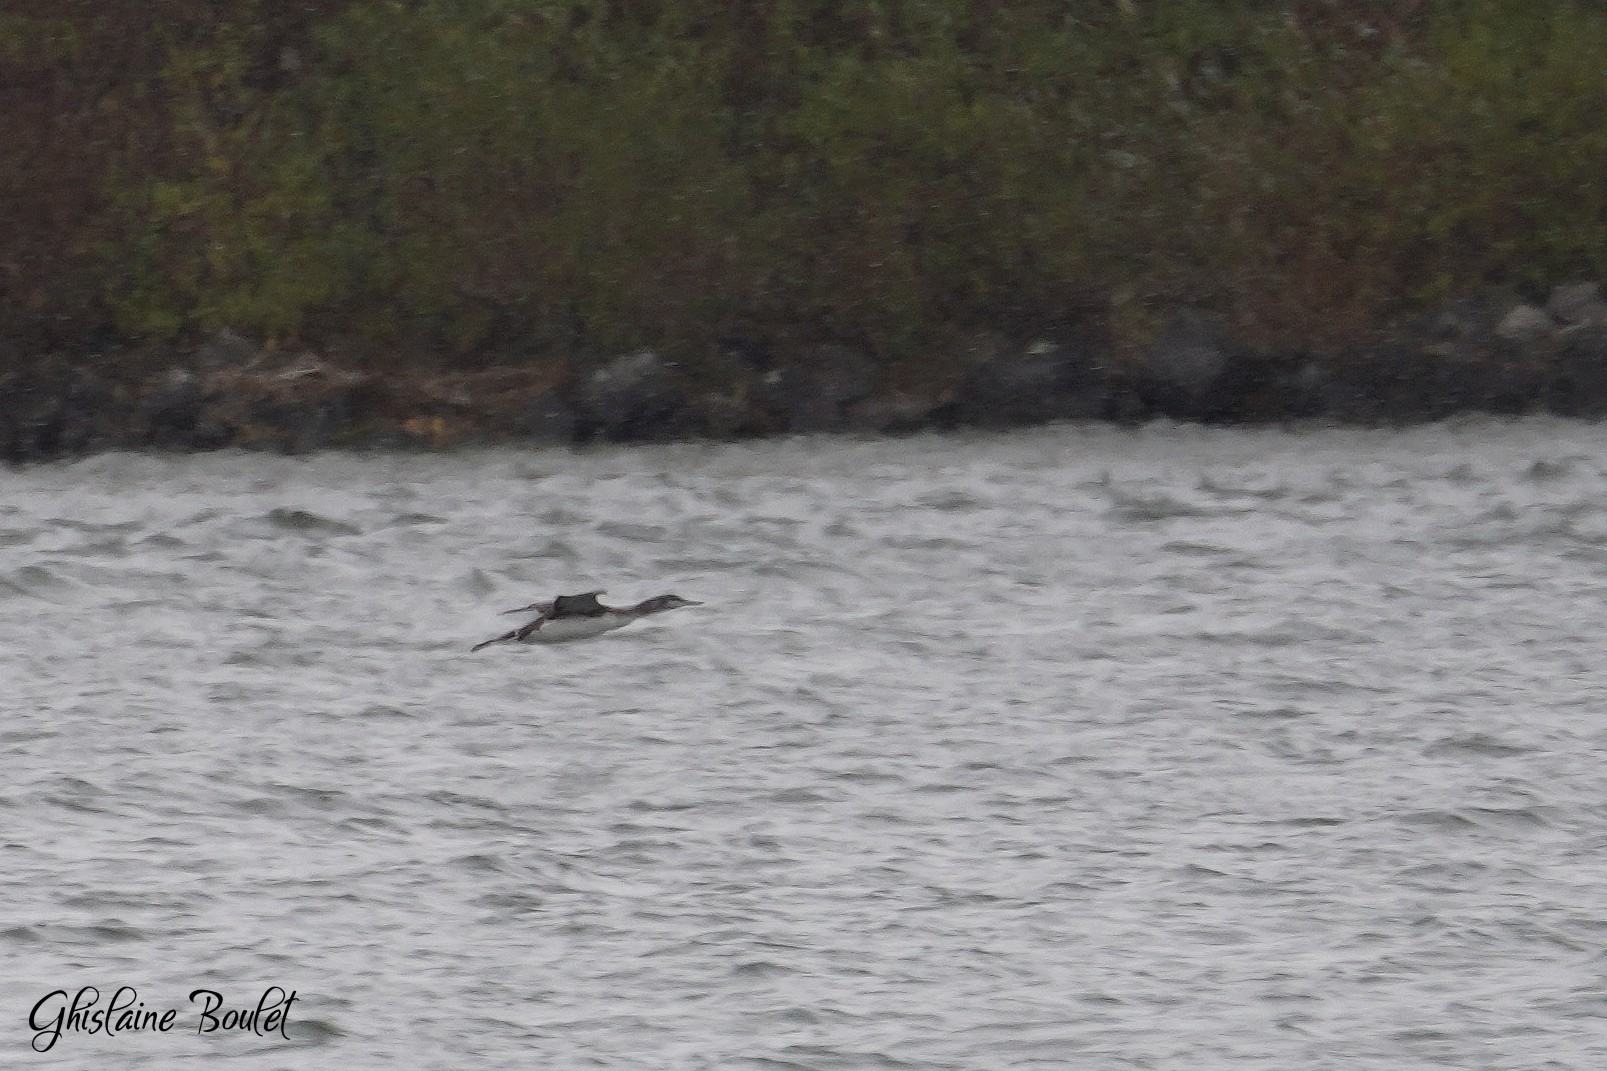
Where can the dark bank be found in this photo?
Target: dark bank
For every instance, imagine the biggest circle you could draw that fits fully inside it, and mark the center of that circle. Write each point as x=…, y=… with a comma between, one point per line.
x=348, y=223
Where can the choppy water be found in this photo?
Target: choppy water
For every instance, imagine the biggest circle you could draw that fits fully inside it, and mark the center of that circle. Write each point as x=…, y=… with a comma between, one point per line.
x=1173, y=748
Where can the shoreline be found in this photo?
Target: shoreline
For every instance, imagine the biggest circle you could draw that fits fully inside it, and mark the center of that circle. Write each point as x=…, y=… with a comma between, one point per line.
x=1487, y=353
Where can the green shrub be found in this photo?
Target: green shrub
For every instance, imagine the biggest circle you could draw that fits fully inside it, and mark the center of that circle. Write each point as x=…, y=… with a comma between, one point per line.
x=524, y=177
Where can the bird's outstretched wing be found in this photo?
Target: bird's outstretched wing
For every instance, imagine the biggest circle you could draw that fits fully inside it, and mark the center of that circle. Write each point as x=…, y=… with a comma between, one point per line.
x=506, y=637
x=580, y=604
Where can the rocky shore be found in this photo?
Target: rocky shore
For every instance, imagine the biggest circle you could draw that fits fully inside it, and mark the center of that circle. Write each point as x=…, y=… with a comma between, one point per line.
x=1489, y=353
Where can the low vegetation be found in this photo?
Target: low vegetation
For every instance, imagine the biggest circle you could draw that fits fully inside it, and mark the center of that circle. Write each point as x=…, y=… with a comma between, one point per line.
x=475, y=182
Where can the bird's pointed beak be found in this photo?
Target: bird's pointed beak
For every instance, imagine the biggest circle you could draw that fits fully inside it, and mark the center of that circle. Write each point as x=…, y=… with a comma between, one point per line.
x=521, y=609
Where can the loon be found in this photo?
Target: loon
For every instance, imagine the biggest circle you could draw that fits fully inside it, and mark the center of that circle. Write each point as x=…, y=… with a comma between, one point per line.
x=580, y=617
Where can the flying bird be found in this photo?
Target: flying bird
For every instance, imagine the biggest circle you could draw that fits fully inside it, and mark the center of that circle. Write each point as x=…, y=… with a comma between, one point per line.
x=580, y=617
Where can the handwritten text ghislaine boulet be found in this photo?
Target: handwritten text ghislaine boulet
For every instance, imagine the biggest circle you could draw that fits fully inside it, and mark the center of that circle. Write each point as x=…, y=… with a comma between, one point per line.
x=57, y=1014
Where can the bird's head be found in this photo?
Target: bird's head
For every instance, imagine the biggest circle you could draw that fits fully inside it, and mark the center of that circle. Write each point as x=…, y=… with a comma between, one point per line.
x=659, y=603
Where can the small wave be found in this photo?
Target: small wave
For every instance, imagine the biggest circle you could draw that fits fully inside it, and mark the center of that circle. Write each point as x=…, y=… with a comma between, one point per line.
x=951, y=502
x=113, y=546
x=636, y=533
x=929, y=543
x=1510, y=817
x=313, y=1033
x=1444, y=821
x=1230, y=557
x=114, y=931
x=1475, y=744
x=1211, y=485
x=402, y=520
x=1290, y=632
x=118, y=528
x=552, y=548
x=380, y=709
x=31, y=581
x=300, y=520
x=478, y=584
x=1469, y=818
x=1438, y=876
x=1272, y=712
x=1154, y=508
x=479, y=863
x=762, y=968
x=801, y=794
x=1550, y=470
x=505, y=904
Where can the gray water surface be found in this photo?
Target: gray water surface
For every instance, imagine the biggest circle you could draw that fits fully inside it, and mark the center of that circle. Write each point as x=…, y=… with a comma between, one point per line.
x=1074, y=748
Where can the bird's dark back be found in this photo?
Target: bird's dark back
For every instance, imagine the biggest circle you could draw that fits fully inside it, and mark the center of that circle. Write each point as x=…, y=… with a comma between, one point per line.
x=577, y=605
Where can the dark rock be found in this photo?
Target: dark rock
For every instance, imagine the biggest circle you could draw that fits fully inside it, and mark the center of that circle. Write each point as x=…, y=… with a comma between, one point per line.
x=211, y=434
x=306, y=406
x=92, y=414
x=57, y=408
x=1509, y=383
x=1577, y=303
x=1304, y=386
x=226, y=349
x=751, y=354
x=1184, y=372
x=1389, y=382
x=1526, y=324
x=630, y=397
x=1577, y=385
x=1338, y=388
x=1041, y=382
x=549, y=420
x=814, y=394
x=1483, y=353
x=1256, y=388
x=893, y=415
x=1125, y=406
x=301, y=425
x=171, y=407
x=29, y=412
x=1188, y=354
x=716, y=416
x=1489, y=354
x=1465, y=321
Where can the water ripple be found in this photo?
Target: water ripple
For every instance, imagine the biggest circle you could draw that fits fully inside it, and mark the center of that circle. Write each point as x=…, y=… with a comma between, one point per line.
x=1073, y=747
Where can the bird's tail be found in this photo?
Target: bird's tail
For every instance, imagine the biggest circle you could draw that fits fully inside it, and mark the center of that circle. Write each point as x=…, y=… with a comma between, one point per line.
x=506, y=637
